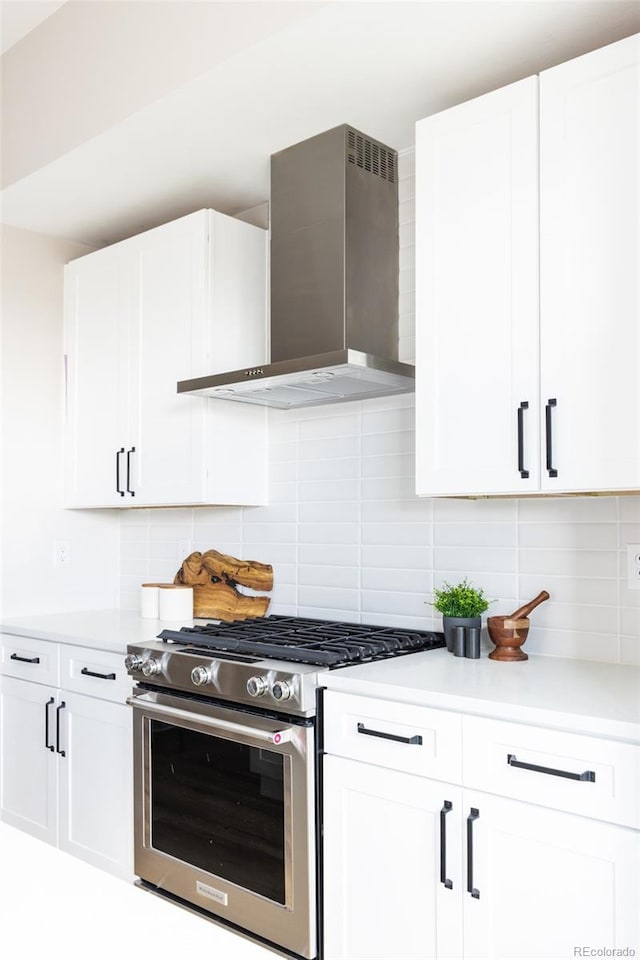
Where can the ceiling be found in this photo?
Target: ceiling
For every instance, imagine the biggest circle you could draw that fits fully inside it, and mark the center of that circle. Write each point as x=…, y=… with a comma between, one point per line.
x=20, y=17
x=200, y=132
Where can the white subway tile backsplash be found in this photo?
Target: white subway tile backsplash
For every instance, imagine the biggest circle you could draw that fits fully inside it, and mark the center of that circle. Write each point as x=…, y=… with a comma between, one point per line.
x=414, y=534
x=575, y=536
x=475, y=534
x=568, y=509
x=345, y=425
x=349, y=540
x=347, y=555
x=569, y=563
x=312, y=575
x=331, y=448
x=475, y=559
x=339, y=598
x=320, y=490
x=629, y=509
x=330, y=469
x=630, y=650
x=397, y=511
x=388, y=444
x=400, y=465
x=399, y=581
x=329, y=512
x=389, y=488
x=334, y=533
x=410, y=557
x=574, y=644
x=575, y=590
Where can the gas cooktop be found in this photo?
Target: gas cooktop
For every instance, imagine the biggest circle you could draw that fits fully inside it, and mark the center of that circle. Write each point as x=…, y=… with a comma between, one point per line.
x=323, y=643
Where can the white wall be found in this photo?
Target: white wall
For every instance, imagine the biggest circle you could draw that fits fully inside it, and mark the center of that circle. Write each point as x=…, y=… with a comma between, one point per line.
x=348, y=539
x=31, y=419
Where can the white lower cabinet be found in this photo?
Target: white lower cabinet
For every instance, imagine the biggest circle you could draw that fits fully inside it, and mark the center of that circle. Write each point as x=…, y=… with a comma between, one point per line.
x=383, y=897
x=66, y=761
x=416, y=868
x=547, y=882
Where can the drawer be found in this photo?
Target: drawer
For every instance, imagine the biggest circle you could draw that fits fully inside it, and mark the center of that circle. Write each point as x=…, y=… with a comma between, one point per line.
x=585, y=775
x=29, y=658
x=96, y=673
x=394, y=735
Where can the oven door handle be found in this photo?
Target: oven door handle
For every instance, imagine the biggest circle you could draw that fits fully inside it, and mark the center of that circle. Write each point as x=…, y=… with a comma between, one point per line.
x=275, y=737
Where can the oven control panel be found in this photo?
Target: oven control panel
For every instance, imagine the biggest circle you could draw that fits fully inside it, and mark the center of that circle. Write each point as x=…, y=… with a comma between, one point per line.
x=244, y=681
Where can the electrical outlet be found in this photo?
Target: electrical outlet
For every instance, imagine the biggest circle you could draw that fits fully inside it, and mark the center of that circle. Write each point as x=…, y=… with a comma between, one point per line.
x=633, y=566
x=61, y=553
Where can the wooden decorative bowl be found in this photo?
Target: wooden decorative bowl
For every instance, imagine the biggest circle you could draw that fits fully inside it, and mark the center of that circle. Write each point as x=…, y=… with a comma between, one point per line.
x=508, y=635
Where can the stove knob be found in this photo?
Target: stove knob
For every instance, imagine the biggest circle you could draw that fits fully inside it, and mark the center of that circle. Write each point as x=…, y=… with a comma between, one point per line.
x=149, y=667
x=132, y=662
x=200, y=675
x=257, y=686
x=282, y=690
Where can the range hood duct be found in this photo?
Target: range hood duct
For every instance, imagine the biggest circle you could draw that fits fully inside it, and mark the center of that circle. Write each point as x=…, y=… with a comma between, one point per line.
x=334, y=279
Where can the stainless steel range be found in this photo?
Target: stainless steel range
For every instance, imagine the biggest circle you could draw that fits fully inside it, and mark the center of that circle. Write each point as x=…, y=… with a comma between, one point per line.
x=226, y=761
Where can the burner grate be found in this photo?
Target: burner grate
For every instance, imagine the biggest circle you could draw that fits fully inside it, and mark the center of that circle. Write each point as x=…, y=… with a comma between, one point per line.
x=299, y=640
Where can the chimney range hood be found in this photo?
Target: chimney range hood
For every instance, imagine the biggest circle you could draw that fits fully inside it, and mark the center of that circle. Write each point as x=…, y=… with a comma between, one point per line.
x=334, y=279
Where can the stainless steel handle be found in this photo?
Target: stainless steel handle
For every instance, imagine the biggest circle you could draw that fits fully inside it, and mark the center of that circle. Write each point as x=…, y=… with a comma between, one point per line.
x=226, y=726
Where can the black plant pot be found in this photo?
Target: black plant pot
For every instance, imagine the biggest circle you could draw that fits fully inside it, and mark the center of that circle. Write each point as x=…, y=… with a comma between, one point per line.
x=450, y=623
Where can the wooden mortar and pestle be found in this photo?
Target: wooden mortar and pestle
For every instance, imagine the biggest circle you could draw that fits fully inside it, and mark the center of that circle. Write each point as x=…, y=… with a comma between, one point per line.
x=510, y=632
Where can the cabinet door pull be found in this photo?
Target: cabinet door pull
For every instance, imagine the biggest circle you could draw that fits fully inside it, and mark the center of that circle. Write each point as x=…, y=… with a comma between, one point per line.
x=58, y=709
x=551, y=403
x=524, y=474
x=118, y=490
x=48, y=745
x=589, y=775
x=443, y=845
x=389, y=736
x=14, y=656
x=101, y=676
x=474, y=814
x=129, y=490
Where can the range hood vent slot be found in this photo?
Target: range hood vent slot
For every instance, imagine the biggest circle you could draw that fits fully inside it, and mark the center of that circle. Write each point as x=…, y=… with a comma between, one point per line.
x=371, y=156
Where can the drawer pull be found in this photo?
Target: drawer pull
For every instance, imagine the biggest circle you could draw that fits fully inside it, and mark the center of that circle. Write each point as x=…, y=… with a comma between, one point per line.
x=443, y=845
x=389, y=736
x=586, y=775
x=101, y=676
x=14, y=656
x=474, y=814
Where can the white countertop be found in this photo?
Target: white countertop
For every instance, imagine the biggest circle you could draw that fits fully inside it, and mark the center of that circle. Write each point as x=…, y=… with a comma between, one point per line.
x=600, y=699
x=55, y=906
x=100, y=629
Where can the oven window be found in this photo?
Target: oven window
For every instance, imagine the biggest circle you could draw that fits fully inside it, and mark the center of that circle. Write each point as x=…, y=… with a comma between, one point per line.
x=219, y=805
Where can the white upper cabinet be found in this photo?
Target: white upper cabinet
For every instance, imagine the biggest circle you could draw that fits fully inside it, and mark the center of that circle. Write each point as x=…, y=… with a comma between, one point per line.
x=589, y=268
x=477, y=294
x=179, y=301
x=527, y=300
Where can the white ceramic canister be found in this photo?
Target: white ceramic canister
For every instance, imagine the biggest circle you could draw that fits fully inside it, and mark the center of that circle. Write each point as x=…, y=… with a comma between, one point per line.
x=175, y=602
x=149, y=600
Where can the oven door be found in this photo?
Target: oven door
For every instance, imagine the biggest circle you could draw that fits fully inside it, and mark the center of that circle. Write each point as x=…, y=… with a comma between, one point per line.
x=224, y=814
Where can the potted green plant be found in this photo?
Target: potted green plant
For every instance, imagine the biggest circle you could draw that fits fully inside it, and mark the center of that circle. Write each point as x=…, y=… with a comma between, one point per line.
x=461, y=605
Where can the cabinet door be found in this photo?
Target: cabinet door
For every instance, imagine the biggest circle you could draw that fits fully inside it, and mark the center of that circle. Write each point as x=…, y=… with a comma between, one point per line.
x=548, y=882
x=96, y=789
x=590, y=251
x=383, y=896
x=29, y=761
x=168, y=343
x=96, y=311
x=477, y=296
